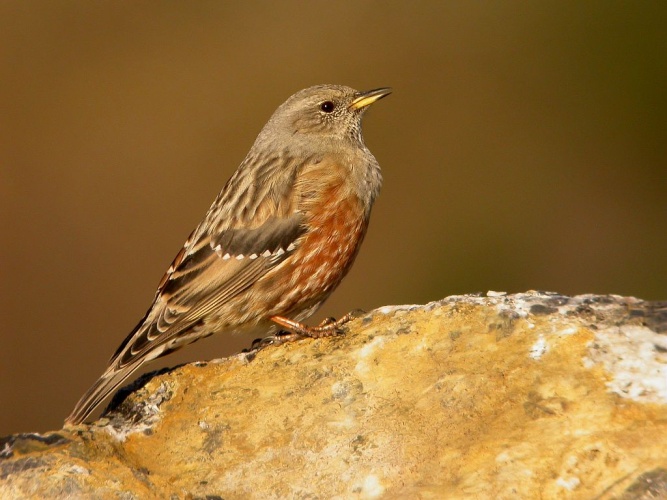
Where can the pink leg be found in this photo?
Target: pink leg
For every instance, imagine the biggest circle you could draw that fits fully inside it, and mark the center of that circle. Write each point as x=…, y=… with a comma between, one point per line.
x=327, y=328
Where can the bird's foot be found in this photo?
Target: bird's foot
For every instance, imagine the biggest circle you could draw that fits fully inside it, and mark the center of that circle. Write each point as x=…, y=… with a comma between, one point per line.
x=272, y=340
x=326, y=328
x=295, y=330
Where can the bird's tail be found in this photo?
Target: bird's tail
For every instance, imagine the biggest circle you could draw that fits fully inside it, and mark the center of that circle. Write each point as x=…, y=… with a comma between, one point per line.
x=105, y=385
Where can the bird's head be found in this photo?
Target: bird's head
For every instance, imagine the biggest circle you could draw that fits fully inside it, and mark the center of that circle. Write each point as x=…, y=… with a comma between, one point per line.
x=324, y=113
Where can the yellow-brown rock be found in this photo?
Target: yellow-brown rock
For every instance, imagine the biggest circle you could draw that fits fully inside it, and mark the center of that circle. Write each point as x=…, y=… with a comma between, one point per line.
x=532, y=395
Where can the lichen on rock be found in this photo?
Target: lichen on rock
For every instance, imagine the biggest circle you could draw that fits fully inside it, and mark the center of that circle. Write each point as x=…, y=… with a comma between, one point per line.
x=497, y=396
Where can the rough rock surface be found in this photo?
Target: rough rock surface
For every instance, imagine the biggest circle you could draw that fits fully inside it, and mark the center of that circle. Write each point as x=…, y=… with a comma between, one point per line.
x=533, y=395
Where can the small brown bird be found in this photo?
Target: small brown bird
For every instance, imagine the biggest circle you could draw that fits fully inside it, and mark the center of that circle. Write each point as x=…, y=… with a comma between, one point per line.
x=278, y=239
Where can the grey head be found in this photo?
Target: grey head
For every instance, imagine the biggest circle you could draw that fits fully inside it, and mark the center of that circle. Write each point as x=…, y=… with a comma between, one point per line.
x=323, y=115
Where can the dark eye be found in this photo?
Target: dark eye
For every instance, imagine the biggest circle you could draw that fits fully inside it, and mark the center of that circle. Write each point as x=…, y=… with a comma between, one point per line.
x=327, y=106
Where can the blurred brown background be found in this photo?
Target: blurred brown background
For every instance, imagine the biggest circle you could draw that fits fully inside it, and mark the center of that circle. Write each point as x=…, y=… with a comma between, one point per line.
x=523, y=148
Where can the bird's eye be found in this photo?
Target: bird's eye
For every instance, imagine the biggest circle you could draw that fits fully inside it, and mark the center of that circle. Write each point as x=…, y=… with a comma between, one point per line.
x=327, y=106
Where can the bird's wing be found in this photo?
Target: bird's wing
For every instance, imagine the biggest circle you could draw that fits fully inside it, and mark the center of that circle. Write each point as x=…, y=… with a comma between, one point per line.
x=252, y=226
x=216, y=269
x=224, y=256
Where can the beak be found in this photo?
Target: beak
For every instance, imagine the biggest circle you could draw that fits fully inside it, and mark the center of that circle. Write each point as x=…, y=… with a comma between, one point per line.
x=367, y=98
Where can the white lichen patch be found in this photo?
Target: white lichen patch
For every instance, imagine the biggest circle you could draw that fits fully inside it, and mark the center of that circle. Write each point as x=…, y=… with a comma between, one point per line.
x=421, y=345
x=636, y=357
x=372, y=487
x=393, y=309
x=569, y=483
x=568, y=331
x=349, y=421
x=75, y=469
x=539, y=348
x=362, y=367
x=150, y=411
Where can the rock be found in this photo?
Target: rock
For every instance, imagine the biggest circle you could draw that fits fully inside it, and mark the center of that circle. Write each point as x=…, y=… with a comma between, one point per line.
x=533, y=395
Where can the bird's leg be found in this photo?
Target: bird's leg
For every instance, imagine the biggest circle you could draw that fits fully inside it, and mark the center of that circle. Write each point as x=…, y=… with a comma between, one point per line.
x=327, y=328
x=295, y=330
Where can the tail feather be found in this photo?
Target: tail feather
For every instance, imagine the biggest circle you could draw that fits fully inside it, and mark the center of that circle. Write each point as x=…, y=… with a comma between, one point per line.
x=104, y=386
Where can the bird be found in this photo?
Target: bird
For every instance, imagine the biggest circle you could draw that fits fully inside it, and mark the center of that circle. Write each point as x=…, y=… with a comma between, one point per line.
x=277, y=240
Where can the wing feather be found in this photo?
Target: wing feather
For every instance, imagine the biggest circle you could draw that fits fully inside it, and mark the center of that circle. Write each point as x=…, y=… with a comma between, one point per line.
x=202, y=281
x=209, y=269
